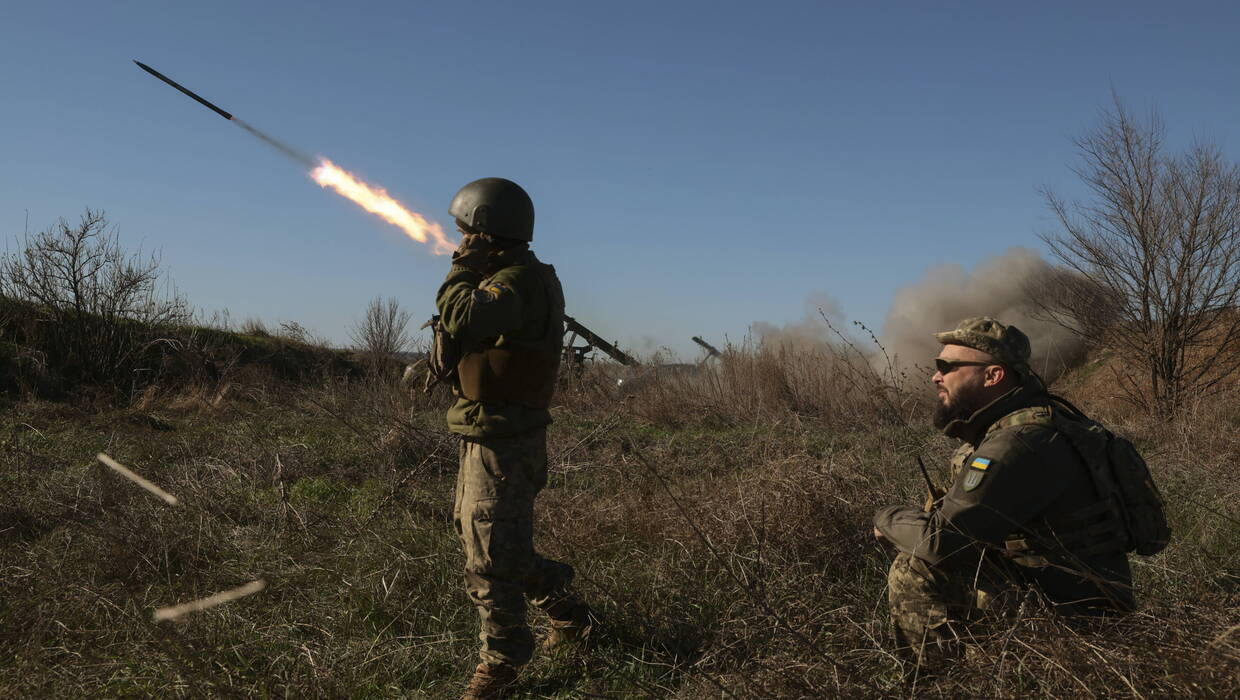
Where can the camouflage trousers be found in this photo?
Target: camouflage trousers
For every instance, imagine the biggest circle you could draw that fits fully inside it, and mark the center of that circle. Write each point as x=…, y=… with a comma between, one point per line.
x=494, y=517
x=931, y=609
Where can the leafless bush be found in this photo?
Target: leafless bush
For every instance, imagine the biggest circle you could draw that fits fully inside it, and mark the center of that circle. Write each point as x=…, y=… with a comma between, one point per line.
x=382, y=334
x=1152, y=260
x=256, y=327
x=294, y=331
x=96, y=305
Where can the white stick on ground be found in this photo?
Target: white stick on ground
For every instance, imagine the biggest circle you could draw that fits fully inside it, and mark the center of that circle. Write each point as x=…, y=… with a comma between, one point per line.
x=123, y=471
x=175, y=611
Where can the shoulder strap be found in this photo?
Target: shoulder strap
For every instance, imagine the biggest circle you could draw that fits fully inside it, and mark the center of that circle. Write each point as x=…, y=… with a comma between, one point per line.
x=555, y=303
x=1030, y=415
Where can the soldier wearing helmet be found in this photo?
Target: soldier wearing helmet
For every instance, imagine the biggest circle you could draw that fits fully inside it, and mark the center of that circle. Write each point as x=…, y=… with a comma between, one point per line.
x=1023, y=510
x=505, y=308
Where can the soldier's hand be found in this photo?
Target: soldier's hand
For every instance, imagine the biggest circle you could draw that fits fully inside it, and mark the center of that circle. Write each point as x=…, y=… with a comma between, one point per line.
x=933, y=497
x=473, y=253
x=878, y=534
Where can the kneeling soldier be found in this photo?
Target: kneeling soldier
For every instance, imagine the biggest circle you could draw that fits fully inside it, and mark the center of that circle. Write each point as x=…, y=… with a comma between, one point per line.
x=1023, y=510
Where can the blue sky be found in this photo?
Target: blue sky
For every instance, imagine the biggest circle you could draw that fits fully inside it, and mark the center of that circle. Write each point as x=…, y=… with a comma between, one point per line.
x=696, y=167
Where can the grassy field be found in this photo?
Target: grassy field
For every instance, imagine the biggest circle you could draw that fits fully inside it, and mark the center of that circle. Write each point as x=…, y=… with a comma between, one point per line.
x=720, y=523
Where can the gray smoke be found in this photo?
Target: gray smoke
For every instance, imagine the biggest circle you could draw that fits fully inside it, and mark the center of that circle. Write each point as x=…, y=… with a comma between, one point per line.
x=806, y=334
x=996, y=288
x=283, y=148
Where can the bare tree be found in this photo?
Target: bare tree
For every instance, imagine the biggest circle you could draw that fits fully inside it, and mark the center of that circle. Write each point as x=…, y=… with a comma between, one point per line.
x=382, y=334
x=1152, y=259
x=95, y=302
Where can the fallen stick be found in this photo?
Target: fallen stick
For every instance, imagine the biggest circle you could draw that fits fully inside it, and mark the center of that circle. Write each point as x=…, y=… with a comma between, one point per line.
x=173, y=612
x=125, y=472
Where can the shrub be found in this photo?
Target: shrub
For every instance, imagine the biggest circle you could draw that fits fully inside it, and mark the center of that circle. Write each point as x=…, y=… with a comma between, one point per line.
x=86, y=305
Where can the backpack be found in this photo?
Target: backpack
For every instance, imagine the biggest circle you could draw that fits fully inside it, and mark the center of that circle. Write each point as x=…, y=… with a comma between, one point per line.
x=1120, y=476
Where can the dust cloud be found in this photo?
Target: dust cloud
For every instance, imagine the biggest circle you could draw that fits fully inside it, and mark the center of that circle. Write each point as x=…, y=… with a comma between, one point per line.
x=996, y=288
x=809, y=333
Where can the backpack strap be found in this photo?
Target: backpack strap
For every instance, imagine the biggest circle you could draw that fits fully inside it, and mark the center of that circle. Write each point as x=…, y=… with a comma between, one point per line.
x=1030, y=415
x=1095, y=528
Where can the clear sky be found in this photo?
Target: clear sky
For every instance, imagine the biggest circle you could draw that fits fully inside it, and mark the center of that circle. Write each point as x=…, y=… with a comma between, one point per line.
x=696, y=166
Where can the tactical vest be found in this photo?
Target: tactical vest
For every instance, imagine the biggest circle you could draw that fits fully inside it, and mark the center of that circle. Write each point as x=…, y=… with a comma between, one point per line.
x=520, y=371
x=1129, y=516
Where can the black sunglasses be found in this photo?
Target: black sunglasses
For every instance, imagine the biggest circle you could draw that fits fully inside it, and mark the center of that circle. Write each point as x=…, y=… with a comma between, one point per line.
x=946, y=366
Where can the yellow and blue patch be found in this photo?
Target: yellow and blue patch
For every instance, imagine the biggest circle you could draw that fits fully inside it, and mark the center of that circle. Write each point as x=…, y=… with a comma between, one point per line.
x=977, y=470
x=490, y=291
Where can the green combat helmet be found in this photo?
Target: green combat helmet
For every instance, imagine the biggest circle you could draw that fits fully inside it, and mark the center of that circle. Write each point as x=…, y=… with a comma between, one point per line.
x=496, y=207
x=1007, y=344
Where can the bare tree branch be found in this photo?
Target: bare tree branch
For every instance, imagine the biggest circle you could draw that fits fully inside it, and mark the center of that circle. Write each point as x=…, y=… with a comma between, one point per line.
x=94, y=299
x=382, y=334
x=1151, y=262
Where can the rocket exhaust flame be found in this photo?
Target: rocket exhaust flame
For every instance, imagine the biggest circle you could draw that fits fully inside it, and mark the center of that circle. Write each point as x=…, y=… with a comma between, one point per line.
x=377, y=201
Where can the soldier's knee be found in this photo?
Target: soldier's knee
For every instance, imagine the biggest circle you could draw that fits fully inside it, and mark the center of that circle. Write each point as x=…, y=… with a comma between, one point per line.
x=499, y=547
x=549, y=577
x=907, y=573
x=914, y=588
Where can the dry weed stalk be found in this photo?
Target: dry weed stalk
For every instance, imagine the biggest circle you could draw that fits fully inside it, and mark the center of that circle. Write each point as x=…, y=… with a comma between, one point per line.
x=128, y=474
x=174, y=612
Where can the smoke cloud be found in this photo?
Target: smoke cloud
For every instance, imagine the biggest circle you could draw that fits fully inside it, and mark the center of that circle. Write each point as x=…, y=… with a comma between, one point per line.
x=996, y=288
x=808, y=333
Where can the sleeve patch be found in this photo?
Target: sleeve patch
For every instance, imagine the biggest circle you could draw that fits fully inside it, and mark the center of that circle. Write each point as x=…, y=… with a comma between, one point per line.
x=490, y=291
x=974, y=474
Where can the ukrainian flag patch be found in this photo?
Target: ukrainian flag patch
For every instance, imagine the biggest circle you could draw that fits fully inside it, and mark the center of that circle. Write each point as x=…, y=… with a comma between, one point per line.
x=973, y=475
x=490, y=291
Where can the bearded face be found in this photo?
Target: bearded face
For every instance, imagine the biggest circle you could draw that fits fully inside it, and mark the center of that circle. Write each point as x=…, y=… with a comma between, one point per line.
x=960, y=401
x=961, y=382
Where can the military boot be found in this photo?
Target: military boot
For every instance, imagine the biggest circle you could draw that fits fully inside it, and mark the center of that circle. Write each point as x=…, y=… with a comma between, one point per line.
x=573, y=631
x=490, y=681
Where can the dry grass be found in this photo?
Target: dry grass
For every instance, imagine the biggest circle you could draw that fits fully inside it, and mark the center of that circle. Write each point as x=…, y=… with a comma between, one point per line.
x=720, y=521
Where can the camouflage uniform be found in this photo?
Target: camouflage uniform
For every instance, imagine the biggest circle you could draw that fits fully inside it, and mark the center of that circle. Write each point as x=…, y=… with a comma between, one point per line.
x=1022, y=513
x=503, y=452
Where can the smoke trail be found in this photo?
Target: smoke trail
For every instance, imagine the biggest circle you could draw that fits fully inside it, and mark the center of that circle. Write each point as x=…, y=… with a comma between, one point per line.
x=997, y=288
x=285, y=149
x=371, y=198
